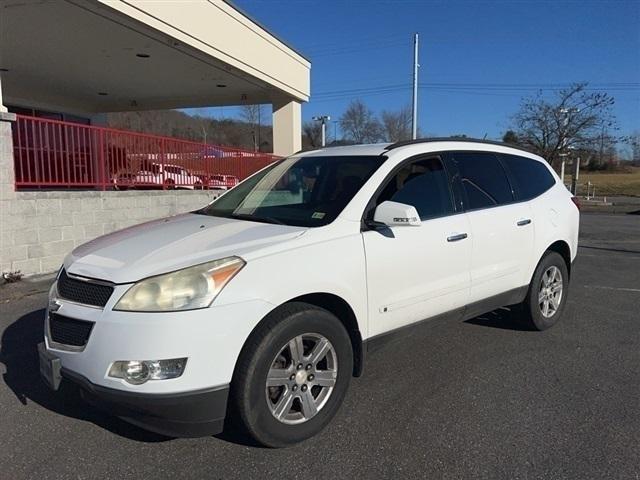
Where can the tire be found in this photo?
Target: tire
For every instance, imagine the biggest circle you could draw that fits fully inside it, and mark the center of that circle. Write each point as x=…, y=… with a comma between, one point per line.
x=255, y=405
x=541, y=311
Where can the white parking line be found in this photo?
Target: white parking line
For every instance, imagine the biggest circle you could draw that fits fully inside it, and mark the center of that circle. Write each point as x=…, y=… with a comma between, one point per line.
x=622, y=289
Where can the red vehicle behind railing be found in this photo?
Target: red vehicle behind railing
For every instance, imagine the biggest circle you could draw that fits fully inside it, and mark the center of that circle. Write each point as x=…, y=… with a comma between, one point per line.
x=50, y=154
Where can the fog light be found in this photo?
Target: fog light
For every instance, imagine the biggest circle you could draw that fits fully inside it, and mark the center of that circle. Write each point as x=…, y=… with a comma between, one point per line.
x=138, y=372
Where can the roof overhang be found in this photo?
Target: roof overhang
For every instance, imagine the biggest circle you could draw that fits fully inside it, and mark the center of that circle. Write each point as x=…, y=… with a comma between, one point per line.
x=116, y=55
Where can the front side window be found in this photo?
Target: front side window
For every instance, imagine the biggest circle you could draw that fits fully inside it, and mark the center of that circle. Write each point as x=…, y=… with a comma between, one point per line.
x=423, y=184
x=531, y=177
x=483, y=179
x=301, y=191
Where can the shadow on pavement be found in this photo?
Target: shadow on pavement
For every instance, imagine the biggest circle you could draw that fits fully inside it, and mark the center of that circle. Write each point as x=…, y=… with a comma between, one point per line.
x=505, y=318
x=20, y=356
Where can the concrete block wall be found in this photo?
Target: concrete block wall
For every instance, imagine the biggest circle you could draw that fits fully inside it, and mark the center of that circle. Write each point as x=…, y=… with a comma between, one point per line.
x=39, y=228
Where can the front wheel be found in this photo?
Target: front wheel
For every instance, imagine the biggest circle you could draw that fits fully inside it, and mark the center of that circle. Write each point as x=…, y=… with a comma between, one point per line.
x=547, y=295
x=292, y=375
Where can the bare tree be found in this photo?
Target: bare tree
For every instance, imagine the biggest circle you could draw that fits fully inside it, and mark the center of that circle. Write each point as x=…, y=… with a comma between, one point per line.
x=574, y=119
x=397, y=125
x=360, y=125
x=252, y=115
x=174, y=123
x=511, y=137
x=633, y=143
x=312, y=134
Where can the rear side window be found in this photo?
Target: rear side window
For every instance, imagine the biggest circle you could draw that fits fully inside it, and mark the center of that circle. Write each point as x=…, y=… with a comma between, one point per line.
x=423, y=184
x=483, y=179
x=531, y=178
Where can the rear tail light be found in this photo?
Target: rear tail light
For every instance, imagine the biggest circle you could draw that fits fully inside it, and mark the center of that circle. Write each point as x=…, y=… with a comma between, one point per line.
x=576, y=202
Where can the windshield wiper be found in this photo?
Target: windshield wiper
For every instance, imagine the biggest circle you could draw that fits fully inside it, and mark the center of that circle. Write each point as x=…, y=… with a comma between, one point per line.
x=245, y=216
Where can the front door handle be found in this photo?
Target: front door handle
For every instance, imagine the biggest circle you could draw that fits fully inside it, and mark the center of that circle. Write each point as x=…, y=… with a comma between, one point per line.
x=523, y=222
x=457, y=237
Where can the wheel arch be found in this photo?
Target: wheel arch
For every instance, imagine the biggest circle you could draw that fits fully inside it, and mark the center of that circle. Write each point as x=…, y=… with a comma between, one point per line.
x=338, y=307
x=562, y=248
x=343, y=311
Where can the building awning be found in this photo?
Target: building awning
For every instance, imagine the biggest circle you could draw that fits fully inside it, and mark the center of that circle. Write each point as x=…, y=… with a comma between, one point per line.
x=89, y=56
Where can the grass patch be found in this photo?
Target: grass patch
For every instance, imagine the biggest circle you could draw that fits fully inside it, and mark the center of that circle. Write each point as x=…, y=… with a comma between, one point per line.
x=606, y=184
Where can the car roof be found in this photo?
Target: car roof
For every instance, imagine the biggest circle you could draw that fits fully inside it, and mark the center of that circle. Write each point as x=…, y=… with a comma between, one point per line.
x=373, y=149
x=431, y=144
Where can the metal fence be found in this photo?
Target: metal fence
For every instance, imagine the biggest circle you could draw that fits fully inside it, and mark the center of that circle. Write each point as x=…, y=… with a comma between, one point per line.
x=51, y=154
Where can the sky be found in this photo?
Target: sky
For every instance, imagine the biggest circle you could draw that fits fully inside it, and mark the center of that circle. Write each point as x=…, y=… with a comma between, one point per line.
x=477, y=58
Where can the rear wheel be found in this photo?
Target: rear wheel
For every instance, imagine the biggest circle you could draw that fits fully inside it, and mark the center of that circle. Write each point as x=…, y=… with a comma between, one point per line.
x=292, y=375
x=547, y=295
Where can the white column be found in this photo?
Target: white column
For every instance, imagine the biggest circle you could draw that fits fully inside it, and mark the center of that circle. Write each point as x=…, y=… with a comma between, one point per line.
x=7, y=171
x=8, y=221
x=2, y=107
x=287, y=127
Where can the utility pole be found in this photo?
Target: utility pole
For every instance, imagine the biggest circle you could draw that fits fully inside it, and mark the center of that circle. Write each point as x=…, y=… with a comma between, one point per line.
x=574, y=177
x=565, y=138
x=324, y=119
x=564, y=153
x=414, y=117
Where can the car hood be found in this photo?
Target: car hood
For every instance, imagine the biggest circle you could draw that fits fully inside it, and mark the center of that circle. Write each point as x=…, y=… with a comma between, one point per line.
x=172, y=243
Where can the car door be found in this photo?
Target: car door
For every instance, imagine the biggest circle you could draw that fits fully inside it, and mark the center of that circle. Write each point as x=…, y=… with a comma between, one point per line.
x=501, y=228
x=417, y=272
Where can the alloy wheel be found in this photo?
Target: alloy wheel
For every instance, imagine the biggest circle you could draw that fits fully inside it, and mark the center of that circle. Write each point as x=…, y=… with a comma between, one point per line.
x=301, y=378
x=550, y=292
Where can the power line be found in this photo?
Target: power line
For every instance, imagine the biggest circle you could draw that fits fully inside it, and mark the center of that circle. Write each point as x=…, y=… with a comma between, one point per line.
x=354, y=91
x=474, y=88
x=361, y=40
x=355, y=49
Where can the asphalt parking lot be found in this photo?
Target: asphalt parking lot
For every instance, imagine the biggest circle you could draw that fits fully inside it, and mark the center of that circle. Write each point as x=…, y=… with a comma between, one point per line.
x=484, y=398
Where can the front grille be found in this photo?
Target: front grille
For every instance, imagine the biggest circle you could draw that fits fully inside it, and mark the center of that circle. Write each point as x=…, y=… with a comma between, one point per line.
x=69, y=331
x=87, y=292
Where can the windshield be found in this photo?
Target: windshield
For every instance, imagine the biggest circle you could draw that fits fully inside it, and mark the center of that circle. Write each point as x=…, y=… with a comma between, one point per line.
x=300, y=191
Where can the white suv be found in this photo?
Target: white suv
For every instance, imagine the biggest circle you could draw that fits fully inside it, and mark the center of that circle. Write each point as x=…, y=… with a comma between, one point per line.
x=261, y=306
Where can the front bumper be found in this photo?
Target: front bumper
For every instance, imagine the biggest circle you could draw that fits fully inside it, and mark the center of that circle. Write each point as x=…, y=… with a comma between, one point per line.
x=188, y=414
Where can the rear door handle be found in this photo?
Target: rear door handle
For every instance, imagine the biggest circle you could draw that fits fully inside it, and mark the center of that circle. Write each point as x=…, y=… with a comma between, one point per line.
x=523, y=222
x=457, y=237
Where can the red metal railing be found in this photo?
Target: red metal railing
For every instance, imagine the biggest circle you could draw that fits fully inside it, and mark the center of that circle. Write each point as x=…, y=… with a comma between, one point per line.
x=50, y=154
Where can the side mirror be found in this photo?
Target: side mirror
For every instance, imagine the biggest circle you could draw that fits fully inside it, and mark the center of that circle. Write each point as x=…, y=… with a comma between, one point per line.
x=394, y=214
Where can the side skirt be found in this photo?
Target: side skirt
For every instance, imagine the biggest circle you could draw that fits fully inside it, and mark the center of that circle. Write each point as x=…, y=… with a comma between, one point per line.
x=472, y=310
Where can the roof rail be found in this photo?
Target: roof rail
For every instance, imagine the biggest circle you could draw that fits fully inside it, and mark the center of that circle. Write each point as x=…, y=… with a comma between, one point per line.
x=454, y=139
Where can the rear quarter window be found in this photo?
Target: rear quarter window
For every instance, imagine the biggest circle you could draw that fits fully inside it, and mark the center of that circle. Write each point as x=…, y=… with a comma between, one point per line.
x=483, y=179
x=531, y=178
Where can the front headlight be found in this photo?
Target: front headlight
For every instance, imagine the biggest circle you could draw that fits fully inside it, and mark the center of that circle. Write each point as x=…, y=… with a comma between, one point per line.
x=186, y=289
